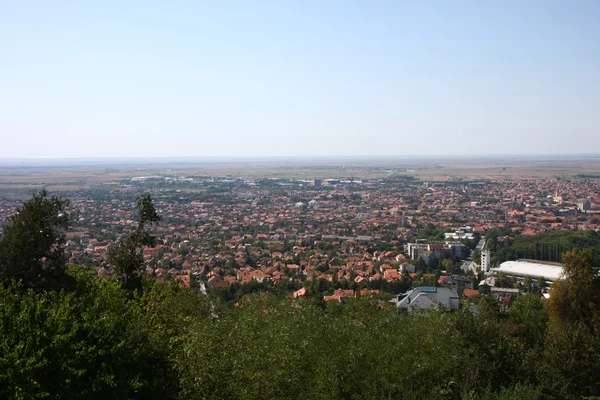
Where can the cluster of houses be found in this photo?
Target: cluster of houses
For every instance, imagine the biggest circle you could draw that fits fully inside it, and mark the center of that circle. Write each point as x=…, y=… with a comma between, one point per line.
x=354, y=231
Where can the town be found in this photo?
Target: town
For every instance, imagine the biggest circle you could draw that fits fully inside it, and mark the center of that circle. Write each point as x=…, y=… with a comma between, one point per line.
x=397, y=238
x=346, y=200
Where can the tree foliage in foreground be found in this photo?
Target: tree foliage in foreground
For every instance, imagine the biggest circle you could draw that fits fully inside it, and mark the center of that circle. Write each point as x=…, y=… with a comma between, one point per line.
x=573, y=345
x=90, y=342
x=31, y=250
x=96, y=340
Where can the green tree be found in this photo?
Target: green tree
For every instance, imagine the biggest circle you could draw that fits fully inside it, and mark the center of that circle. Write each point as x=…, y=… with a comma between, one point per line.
x=572, y=357
x=503, y=281
x=32, y=250
x=575, y=299
x=529, y=315
x=489, y=308
x=540, y=284
x=477, y=256
x=528, y=284
x=92, y=342
x=126, y=255
x=146, y=212
x=447, y=264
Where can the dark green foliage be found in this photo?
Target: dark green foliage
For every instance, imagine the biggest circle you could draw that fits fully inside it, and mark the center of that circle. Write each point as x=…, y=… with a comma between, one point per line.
x=271, y=349
x=31, y=250
x=146, y=211
x=126, y=255
x=431, y=232
x=98, y=341
x=572, y=356
x=529, y=318
x=92, y=342
x=518, y=392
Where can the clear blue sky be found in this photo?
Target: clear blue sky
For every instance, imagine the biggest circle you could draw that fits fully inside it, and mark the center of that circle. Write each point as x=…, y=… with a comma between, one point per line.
x=298, y=78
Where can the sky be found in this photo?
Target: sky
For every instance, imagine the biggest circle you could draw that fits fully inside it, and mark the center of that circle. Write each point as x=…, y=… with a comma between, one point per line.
x=298, y=78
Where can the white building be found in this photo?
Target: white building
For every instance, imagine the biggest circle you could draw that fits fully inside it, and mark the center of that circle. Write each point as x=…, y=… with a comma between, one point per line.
x=426, y=297
x=486, y=259
x=461, y=233
x=534, y=269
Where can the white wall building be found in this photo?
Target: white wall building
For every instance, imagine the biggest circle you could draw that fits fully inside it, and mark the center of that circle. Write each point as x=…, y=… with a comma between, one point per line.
x=486, y=260
x=426, y=297
x=534, y=269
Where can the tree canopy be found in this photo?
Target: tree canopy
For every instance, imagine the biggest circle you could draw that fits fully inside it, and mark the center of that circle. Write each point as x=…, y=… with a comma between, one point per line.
x=31, y=250
x=126, y=255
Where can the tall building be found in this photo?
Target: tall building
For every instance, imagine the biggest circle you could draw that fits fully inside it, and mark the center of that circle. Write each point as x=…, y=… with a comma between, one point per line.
x=486, y=258
x=584, y=205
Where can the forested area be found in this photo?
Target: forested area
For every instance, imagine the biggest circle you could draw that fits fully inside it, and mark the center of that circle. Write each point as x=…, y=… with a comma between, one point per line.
x=67, y=334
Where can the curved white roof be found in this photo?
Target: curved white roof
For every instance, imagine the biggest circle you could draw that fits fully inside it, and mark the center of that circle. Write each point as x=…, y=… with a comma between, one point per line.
x=532, y=269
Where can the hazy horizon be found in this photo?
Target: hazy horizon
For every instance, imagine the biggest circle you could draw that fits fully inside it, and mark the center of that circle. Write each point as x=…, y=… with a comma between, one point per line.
x=299, y=160
x=311, y=79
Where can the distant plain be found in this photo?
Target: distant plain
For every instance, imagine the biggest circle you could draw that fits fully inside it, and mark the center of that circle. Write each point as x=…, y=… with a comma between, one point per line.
x=23, y=176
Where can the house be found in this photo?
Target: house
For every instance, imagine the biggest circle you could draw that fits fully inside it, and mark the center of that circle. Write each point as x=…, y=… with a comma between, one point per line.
x=391, y=275
x=345, y=293
x=448, y=281
x=503, y=293
x=259, y=276
x=216, y=282
x=184, y=280
x=426, y=297
x=332, y=298
x=470, y=293
x=299, y=293
x=410, y=268
x=368, y=292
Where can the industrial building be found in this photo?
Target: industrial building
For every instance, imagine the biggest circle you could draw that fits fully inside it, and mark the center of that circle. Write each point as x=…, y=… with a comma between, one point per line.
x=534, y=269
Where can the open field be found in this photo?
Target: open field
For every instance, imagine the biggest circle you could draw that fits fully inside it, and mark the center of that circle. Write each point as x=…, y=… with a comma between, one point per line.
x=21, y=177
